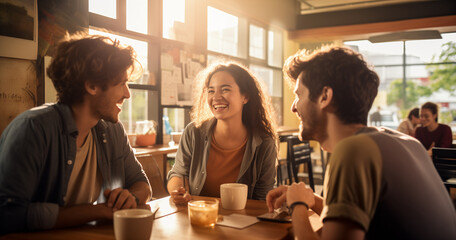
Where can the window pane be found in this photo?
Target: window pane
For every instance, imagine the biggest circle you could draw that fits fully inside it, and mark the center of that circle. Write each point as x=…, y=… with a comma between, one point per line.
x=134, y=109
x=379, y=53
x=140, y=48
x=106, y=8
x=257, y=39
x=137, y=15
x=175, y=118
x=424, y=81
x=272, y=80
x=427, y=51
x=275, y=48
x=174, y=122
x=222, y=32
x=176, y=24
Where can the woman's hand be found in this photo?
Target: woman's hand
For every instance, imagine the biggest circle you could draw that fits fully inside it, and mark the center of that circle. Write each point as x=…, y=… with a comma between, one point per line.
x=180, y=196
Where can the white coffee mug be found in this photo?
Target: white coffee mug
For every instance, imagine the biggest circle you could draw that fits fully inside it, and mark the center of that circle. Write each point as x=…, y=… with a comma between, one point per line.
x=133, y=224
x=233, y=195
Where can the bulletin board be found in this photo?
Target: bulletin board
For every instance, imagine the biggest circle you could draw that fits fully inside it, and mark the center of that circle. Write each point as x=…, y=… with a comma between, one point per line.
x=179, y=68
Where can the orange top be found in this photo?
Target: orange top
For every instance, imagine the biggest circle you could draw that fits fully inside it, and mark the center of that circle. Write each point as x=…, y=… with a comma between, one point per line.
x=222, y=166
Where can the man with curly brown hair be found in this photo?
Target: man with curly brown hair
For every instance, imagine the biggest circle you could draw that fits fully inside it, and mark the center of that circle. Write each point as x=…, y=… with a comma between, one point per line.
x=379, y=183
x=69, y=163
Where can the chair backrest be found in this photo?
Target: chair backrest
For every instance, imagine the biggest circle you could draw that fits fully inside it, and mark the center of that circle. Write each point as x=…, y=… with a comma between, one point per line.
x=445, y=162
x=299, y=152
x=154, y=175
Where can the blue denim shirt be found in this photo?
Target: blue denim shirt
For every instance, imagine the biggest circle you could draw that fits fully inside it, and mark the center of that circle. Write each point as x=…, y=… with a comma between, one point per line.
x=37, y=152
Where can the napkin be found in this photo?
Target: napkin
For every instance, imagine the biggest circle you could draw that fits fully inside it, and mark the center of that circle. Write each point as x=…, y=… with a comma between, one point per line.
x=237, y=221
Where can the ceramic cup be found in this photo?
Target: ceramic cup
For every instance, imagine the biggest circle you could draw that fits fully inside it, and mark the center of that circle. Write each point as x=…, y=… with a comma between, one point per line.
x=133, y=224
x=233, y=195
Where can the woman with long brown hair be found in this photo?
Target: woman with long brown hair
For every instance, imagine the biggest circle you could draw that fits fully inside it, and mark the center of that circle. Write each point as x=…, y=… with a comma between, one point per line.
x=231, y=137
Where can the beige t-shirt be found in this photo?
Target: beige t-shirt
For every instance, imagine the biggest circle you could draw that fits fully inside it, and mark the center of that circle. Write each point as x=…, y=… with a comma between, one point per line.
x=387, y=184
x=85, y=181
x=406, y=127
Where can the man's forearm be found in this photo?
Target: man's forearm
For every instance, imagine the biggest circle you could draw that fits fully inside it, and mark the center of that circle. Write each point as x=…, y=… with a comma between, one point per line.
x=142, y=191
x=301, y=224
x=80, y=214
x=318, y=207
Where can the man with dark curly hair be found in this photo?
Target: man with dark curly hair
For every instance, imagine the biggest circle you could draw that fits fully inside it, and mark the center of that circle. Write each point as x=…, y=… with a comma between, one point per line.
x=379, y=183
x=69, y=163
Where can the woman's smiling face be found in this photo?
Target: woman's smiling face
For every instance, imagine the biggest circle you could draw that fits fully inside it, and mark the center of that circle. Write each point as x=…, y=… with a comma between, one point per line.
x=427, y=118
x=224, y=97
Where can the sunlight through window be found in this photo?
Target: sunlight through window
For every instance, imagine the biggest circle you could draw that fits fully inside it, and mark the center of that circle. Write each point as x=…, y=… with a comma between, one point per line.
x=107, y=8
x=275, y=51
x=222, y=32
x=139, y=46
x=173, y=18
x=257, y=40
x=137, y=15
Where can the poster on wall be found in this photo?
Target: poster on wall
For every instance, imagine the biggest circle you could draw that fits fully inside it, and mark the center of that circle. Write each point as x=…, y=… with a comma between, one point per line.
x=18, y=91
x=18, y=29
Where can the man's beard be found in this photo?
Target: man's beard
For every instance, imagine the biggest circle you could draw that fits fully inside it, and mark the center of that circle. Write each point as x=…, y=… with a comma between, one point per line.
x=313, y=127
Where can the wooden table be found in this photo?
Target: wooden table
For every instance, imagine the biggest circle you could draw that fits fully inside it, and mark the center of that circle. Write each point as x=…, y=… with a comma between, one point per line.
x=172, y=223
x=145, y=156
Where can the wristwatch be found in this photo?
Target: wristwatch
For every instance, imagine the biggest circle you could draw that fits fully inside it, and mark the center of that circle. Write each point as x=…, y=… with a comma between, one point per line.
x=293, y=205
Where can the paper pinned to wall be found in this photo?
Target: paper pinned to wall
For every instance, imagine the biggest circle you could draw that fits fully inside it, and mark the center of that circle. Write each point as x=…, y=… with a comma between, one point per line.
x=184, y=94
x=168, y=88
x=177, y=75
x=166, y=61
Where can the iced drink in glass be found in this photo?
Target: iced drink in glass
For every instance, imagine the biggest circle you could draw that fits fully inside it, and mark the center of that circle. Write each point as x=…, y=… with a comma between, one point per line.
x=203, y=213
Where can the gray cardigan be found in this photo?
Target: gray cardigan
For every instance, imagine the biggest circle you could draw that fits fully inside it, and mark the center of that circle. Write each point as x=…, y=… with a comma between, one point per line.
x=257, y=167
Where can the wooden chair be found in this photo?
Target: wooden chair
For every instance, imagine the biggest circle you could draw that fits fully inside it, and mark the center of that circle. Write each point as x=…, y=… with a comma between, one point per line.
x=154, y=175
x=445, y=162
x=299, y=153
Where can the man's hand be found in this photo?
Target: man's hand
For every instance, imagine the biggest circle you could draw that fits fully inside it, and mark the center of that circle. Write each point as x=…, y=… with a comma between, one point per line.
x=299, y=192
x=276, y=197
x=180, y=196
x=430, y=149
x=119, y=199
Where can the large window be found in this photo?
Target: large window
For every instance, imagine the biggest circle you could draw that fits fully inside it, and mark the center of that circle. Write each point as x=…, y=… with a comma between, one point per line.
x=222, y=32
x=171, y=59
x=414, y=72
x=231, y=37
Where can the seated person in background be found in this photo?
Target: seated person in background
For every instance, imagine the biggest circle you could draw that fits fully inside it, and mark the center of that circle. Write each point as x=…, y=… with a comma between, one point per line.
x=409, y=125
x=376, y=117
x=231, y=139
x=431, y=133
x=379, y=184
x=69, y=163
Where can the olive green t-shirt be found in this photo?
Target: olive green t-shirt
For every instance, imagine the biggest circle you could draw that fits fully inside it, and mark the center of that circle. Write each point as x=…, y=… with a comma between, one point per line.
x=385, y=182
